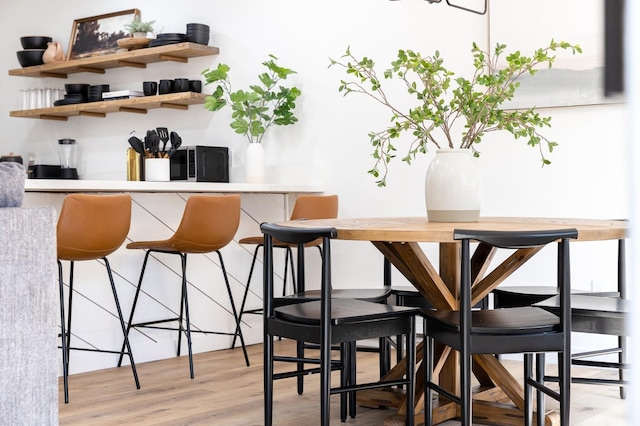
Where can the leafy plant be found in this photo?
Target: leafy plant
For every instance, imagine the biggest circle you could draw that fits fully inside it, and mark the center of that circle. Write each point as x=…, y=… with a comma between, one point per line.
x=138, y=26
x=475, y=102
x=261, y=106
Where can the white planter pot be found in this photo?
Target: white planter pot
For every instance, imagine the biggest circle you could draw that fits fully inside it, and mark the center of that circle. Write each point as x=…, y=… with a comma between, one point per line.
x=255, y=163
x=452, y=187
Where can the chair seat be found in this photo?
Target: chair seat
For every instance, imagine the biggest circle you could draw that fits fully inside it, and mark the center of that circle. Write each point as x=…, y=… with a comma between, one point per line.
x=498, y=321
x=258, y=240
x=375, y=295
x=527, y=295
x=343, y=311
x=594, y=314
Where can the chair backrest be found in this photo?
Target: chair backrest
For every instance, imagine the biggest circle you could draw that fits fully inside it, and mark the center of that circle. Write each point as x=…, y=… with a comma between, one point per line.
x=315, y=207
x=209, y=222
x=92, y=226
x=516, y=240
x=298, y=236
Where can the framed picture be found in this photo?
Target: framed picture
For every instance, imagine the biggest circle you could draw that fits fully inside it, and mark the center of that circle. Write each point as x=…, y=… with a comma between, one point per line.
x=574, y=79
x=97, y=35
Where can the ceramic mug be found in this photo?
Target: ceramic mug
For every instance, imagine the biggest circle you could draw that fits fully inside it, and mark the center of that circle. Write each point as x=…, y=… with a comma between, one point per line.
x=165, y=86
x=195, y=86
x=181, y=85
x=150, y=88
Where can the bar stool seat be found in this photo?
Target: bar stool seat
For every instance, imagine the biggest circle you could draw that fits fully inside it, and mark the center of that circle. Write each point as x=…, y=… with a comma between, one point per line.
x=208, y=224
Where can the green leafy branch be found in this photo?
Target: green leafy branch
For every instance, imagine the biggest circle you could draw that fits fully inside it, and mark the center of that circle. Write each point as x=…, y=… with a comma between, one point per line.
x=476, y=102
x=261, y=106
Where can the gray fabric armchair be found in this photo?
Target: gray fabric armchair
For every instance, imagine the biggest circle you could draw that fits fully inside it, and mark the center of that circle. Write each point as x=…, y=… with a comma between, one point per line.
x=28, y=306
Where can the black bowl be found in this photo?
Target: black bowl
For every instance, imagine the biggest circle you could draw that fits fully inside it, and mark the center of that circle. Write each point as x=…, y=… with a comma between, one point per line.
x=35, y=42
x=31, y=57
x=77, y=88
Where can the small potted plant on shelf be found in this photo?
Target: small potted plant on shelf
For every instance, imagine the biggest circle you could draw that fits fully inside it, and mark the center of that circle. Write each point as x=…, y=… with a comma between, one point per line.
x=448, y=105
x=138, y=28
x=255, y=109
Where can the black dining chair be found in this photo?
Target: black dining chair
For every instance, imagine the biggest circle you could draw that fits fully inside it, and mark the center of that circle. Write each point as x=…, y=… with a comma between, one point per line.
x=527, y=330
x=603, y=313
x=326, y=322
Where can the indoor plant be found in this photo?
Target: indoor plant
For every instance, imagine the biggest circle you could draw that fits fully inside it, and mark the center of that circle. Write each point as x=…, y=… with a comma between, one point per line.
x=139, y=29
x=472, y=107
x=256, y=109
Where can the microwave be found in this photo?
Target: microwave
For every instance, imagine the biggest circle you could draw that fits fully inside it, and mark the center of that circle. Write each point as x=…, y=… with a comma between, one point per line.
x=200, y=164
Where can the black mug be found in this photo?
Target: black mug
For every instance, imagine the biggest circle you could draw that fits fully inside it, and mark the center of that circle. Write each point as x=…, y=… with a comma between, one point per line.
x=150, y=88
x=195, y=86
x=181, y=85
x=165, y=86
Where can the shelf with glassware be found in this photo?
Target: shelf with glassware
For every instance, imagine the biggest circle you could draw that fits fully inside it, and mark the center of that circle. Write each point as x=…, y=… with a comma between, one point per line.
x=139, y=58
x=139, y=105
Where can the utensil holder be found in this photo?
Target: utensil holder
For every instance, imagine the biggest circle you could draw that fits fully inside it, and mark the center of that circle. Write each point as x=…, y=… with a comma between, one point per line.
x=156, y=169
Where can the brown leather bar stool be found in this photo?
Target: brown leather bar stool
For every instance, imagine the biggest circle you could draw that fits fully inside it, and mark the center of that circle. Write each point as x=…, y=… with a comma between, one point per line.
x=91, y=227
x=208, y=224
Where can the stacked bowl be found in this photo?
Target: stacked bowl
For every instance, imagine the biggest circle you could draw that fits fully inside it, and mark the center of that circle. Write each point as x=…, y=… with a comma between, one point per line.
x=34, y=47
x=198, y=33
x=76, y=94
x=95, y=92
x=168, y=38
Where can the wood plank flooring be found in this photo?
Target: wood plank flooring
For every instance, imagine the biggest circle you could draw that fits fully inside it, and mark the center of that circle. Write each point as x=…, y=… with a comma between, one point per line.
x=226, y=392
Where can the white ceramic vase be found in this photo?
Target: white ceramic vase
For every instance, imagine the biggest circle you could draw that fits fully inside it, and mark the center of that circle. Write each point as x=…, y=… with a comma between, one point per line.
x=452, y=187
x=254, y=161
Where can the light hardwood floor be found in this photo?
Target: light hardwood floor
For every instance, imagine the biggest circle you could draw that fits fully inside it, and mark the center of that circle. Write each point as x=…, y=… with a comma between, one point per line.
x=226, y=392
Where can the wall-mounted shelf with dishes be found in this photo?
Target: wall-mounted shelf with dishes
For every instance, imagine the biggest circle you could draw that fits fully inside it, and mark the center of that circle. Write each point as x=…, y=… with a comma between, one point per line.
x=139, y=58
x=180, y=52
x=140, y=105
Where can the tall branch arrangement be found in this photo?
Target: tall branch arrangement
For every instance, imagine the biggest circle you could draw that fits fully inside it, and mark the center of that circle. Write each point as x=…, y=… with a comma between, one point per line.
x=261, y=106
x=475, y=102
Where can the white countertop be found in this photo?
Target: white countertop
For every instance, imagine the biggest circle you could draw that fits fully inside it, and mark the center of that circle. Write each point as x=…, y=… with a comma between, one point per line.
x=68, y=185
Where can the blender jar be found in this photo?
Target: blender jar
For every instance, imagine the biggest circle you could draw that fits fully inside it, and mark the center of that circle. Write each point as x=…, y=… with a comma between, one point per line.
x=67, y=152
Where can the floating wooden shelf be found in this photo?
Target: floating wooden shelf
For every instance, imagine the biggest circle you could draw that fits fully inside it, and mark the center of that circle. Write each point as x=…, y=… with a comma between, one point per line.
x=180, y=101
x=139, y=58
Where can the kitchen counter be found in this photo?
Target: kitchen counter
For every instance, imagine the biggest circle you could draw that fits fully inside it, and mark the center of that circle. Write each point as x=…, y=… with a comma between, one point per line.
x=68, y=185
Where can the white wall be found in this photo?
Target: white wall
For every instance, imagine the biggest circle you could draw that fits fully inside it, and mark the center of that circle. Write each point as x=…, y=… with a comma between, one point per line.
x=588, y=177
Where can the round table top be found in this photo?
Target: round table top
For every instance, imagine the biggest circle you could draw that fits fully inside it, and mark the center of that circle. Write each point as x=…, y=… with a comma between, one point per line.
x=419, y=229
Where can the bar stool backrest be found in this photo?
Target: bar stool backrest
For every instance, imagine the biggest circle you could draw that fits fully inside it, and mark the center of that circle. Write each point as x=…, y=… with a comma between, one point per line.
x=92, y=226
x=315, y=207
x=209, y=222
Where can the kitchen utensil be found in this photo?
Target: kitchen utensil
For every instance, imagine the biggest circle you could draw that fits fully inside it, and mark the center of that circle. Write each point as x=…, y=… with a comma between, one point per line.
x=152, y=142
x=137, y=145
x=176, y=141
x=163, y=134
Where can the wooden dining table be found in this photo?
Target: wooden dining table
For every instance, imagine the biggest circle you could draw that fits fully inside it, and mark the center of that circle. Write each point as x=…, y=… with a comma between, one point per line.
x=499, y=397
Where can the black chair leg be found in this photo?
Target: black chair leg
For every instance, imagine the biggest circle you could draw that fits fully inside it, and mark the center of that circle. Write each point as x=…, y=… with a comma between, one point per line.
x=564, y=366
x=122, y=324
x=528, y=395
x=540, y=366
x=428, y=378
x=63, y=338
x=238, y=331
x=622, y=359
x=345, y=378
x=352, y=378
x=268, y=380
x=411, y=365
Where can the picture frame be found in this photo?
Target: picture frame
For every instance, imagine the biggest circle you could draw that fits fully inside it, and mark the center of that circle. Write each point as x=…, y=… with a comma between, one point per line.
x=98, y=35
x=574, y=79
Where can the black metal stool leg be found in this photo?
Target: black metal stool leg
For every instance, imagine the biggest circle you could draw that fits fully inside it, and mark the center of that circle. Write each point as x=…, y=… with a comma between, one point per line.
x=134, y=304
x=63, y=335
x=238, y=331
x=246, y=291
x=122, y=324
x=540, y=366
x=184, y=306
